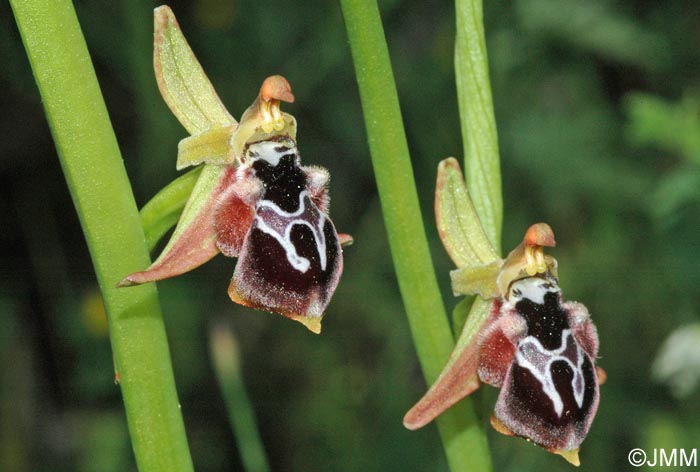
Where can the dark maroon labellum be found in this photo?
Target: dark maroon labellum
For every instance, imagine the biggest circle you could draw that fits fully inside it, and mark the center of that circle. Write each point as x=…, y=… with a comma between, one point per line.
x=541, y=352
x=290, y=259
x=549, y=391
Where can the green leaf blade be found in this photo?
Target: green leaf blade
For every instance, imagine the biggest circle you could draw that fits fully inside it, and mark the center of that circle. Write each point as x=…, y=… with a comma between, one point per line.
x=478, y=123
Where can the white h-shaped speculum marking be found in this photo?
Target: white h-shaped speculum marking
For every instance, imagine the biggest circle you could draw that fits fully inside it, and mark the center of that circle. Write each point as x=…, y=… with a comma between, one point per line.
x=282, y=230
x=531, y=349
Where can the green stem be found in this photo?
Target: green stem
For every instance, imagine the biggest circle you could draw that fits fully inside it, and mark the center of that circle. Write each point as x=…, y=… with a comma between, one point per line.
x=98, y=183
x=481, y=159
x=226, y=357
x=463, y=439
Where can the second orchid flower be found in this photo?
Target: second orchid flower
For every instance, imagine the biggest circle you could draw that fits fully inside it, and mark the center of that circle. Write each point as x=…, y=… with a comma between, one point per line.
x=521, y=335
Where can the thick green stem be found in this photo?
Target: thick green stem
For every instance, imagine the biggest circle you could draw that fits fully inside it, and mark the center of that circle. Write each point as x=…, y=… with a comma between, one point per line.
x=481, y=159
x=463, y=438
x=102, y=195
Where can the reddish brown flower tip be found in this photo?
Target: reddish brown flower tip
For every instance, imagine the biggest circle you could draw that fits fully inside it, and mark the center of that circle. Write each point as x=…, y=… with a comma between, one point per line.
x=602, y=375
x=125, y=282
x=276, y=87
x=539, y=234
x=500, y=427
x=345, y=239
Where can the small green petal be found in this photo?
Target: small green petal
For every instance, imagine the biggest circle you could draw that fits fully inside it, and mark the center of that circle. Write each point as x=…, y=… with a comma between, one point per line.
x=210, y=147
x=478, y=280
x=457, y=221
x=182, y=82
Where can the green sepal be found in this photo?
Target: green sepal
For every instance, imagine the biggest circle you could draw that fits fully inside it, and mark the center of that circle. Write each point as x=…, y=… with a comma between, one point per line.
x=200, y=202
x=181, y=79
x=163, y=210
x=478, y=314
x=460, y=313
x=194, y=241
x=459, y=377
x=457, y=221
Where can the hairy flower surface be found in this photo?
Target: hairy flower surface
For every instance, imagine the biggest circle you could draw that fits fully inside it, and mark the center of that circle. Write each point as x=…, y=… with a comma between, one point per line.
x=253, y=199
x=537, y=348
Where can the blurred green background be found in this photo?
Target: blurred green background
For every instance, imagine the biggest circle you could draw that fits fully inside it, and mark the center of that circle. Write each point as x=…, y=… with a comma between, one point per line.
x=598, y=111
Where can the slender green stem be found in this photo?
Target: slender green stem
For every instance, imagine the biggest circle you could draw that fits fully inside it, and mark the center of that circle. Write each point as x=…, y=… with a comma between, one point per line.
x=97, y=180
x=227, y=366
x=481, y=159
x=463, y=438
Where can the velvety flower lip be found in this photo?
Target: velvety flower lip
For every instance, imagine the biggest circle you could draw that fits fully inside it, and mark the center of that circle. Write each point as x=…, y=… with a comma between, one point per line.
x=228, y=210
x=521, y=336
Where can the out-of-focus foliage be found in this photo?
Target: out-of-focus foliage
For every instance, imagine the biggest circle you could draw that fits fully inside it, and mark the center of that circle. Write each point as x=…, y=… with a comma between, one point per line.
x=597, y=113
x=673, y=128
x=678, y=362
